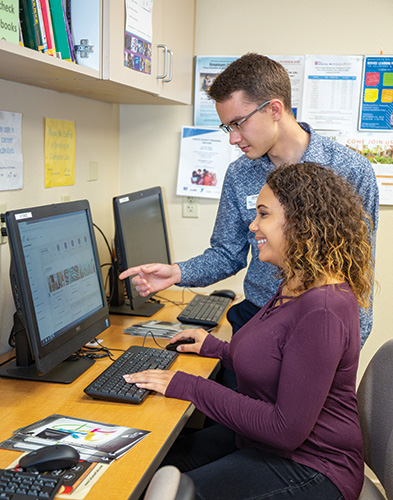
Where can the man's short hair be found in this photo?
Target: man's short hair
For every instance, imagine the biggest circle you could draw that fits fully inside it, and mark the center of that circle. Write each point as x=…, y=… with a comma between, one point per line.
x=260, y=78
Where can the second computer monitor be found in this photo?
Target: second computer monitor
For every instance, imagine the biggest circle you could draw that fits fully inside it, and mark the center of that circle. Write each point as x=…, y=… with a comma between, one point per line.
x=141, y=237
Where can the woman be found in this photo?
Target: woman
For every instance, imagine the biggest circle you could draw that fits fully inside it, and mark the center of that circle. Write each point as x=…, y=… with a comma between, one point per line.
x=291, y=431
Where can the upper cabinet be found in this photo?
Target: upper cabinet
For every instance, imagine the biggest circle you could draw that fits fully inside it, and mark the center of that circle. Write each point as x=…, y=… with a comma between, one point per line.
x=109, y=79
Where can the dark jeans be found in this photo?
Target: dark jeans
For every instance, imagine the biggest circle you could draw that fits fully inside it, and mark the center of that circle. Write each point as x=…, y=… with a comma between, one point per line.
x=221, y=471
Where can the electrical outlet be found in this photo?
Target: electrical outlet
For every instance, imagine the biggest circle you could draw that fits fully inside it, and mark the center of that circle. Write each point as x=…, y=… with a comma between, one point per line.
x=190, y=206
x=3, y=209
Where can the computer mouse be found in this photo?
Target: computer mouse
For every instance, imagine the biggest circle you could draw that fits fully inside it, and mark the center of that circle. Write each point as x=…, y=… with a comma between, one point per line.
x=230, y=294
x=173, y=347
x=57, y=456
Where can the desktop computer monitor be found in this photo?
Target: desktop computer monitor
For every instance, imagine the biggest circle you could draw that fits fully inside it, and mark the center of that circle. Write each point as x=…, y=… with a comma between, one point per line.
x=57, y=288
x=141, y=237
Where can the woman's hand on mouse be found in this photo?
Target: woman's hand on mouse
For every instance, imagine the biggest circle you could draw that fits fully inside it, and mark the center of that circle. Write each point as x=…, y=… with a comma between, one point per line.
x=198, y=335
x=154, y=380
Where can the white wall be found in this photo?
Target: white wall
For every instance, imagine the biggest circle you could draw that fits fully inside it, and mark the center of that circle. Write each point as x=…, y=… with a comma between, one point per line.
x=149, y=139
x=97, y=139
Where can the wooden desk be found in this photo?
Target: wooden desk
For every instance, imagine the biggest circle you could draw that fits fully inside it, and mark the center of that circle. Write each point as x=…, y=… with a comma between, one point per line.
x=24, y=402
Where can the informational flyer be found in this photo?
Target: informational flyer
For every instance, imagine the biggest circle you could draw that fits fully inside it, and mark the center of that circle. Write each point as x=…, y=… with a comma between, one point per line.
x=378, y=148
x=11, y=159
x=138, y=35
x=331, y=91
x=205, y=154
x=206, y=70
x=94, y=441
x=59, y=153
x=208, y=67
x=295, y=68
x=376, y=111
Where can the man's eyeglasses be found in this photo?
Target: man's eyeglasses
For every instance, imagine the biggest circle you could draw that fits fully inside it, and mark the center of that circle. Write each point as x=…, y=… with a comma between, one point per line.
x=230, y=127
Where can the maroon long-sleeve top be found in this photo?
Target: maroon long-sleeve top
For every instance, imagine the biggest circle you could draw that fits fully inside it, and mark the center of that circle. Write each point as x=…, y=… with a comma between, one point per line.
x=296, y=364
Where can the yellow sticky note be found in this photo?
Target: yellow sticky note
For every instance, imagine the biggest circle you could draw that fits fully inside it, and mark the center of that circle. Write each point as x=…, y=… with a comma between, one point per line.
x=370, y=95
x=59, y=153
x=387, y=95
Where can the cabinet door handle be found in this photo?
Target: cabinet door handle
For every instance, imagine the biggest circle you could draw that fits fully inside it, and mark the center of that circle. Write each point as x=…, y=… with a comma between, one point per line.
x=170, y=68
x=161, y=77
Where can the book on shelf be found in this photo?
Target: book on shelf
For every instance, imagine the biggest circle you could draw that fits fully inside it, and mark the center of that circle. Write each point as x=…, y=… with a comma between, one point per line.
x=59, y=23
x=28, y=14
x=47, y=22
x=42, y=28
x=68, y=31
x=9, y=21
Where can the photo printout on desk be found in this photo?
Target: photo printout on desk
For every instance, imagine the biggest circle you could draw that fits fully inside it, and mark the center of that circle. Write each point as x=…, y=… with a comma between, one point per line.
x=95, y=441
x=205, y=154
x=11, y=158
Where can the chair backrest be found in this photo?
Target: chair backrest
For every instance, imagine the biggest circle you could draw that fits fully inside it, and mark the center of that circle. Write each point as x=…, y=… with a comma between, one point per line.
x=375, y=406
x=168, y=483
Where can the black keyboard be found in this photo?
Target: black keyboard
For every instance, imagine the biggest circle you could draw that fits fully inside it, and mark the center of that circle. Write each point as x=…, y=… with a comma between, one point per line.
x=206, y=310
x=16, y=485
x=111, y=386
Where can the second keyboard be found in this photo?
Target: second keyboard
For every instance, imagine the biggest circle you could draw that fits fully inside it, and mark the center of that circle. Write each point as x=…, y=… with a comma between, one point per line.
x=206, y=310
x=111, y=386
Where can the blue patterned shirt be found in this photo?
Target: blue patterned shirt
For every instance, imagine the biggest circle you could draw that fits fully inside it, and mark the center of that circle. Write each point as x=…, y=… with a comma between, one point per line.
x=231, y=239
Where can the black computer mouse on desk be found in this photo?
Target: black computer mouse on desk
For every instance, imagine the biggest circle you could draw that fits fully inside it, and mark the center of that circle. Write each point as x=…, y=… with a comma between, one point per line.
x=229, y=294
x=57, y=456
x=174, y=346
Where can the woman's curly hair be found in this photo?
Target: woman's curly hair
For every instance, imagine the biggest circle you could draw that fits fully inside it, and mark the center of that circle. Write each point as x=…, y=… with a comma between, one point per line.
x=327, y=230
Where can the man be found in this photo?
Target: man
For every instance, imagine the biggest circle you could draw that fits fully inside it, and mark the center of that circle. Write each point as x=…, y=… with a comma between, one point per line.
x=253, y=101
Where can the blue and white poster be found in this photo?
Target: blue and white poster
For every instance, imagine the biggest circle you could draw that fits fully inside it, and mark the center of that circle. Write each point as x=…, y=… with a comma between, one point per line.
x=331, y=91
x=377, y=94
x=205, y=154
x=206, y=70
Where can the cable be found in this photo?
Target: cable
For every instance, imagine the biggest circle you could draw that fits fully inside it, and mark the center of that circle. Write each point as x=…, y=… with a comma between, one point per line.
x=106, y=241
x=176, y=302
x=154, y=338
x=112, y=264
x=7, y=361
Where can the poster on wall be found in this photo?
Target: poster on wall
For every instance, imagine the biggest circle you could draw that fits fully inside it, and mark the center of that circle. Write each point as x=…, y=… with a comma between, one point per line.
x=376, y=111
x=138, y=35
x=208, y=67
x=295, y=68
x=11, y=159
x=206, y=70
x=378, y=148
x=331, y=91
x=205, y=154
x=59, y=153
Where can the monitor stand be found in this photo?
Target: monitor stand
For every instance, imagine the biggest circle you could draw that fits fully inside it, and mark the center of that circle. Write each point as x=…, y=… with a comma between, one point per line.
x=119, y=305
x=23, y=367
x=65, y=373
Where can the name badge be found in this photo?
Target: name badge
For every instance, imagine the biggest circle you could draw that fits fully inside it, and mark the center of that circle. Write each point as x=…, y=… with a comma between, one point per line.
x=252, y=201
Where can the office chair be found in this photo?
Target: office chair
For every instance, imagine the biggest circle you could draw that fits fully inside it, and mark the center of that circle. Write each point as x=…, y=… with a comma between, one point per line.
x=375, y=406
x=168, y=483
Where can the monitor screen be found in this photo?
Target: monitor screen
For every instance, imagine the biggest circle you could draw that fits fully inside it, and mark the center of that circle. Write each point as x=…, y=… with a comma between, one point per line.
x=57, y=287
x=140, y=238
